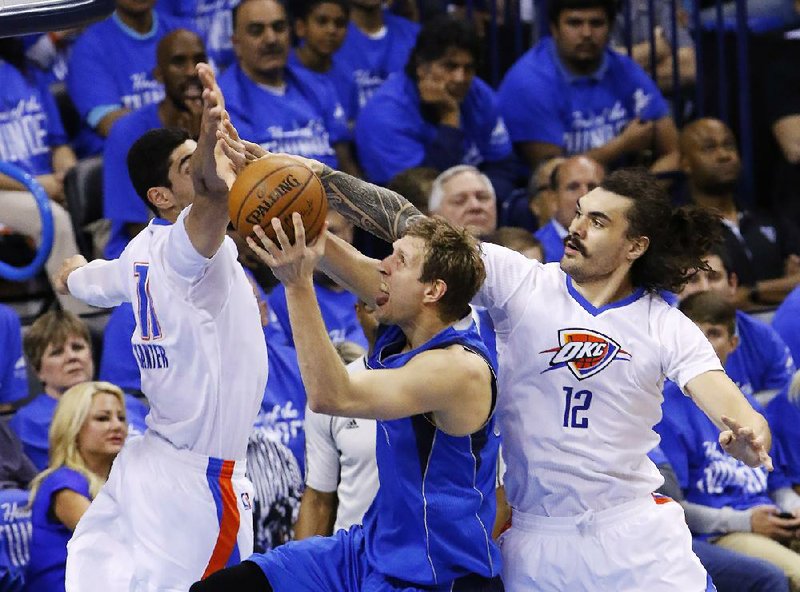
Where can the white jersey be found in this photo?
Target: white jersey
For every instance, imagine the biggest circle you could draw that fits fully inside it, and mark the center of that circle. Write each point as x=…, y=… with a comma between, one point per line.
x=198, y=338
x=340, y=457
x=579, y=387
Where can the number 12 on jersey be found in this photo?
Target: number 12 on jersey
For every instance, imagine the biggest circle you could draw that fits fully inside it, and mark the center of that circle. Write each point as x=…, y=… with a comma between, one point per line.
x=576, y=403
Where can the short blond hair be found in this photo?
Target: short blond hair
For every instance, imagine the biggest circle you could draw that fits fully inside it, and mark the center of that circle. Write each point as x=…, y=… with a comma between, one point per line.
x=70, y=415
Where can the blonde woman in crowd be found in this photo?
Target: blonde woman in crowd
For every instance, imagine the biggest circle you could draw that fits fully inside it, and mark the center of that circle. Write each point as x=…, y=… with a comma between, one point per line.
x=88, y=430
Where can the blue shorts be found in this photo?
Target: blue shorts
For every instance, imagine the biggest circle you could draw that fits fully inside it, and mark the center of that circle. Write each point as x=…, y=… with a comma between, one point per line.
x=339, y=563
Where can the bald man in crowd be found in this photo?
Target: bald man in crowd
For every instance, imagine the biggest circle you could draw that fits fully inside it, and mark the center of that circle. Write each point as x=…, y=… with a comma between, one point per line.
x=570, y=181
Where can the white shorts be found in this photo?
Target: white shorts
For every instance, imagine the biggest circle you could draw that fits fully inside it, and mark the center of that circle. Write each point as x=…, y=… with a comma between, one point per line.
x=165, y=519
x=640, y=545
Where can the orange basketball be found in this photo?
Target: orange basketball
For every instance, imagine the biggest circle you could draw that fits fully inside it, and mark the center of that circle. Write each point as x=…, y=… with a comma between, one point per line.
x=276, y=187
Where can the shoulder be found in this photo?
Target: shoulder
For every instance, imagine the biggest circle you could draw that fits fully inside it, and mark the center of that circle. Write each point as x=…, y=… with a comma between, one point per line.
x=129, y=127
x=750, y=327
x=65, y=478
x=398, y=24
x=535, y=66
x=461, y=366
x=96, y=34
x=38, y=411
x=8, y=318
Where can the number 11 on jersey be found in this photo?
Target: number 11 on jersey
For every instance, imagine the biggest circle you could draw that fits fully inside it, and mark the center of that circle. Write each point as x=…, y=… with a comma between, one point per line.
x=576, y=403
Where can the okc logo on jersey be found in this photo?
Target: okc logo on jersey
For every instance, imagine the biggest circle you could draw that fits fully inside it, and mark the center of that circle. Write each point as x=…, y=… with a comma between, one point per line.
x=584, y=352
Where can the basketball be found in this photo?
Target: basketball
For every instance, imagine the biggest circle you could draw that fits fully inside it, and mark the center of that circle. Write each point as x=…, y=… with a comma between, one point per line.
x=276, y=187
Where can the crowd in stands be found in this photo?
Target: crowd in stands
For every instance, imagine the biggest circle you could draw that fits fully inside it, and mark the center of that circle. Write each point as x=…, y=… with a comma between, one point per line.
x=390, y=94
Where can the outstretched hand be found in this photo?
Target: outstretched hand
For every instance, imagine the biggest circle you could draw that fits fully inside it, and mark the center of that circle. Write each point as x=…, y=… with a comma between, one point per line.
x=239, y=151
x=292, y=264
x=212, y=170
x=742, y=443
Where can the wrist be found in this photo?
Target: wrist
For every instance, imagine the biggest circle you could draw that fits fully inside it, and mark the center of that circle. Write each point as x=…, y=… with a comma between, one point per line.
x=300, y=285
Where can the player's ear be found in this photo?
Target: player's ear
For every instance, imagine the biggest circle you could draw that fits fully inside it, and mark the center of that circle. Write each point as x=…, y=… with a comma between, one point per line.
x=638, y=246
x=434, y=292
x=161, y=198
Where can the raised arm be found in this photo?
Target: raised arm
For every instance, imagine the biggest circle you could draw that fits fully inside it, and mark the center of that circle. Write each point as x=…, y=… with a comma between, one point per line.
x=744, y=432
x=212, y=173
x=452, y=383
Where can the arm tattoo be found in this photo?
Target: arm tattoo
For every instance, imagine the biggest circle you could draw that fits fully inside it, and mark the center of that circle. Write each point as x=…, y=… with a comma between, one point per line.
x=377, y=210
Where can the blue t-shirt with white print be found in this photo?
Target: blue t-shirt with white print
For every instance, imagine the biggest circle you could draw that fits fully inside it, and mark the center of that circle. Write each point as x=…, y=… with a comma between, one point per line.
x=338, y=313
x=371, y=59
x=392, y=135
x=30, y=126
x=761, y=361
x=213, y=21
x=305, y=119
x=542, y=102
x=121, y=204
x=708, y=475
x=112, y=65
x=783, y=416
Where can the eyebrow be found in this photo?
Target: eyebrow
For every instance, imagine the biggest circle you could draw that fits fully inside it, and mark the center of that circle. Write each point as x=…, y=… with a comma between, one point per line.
x=599, y=215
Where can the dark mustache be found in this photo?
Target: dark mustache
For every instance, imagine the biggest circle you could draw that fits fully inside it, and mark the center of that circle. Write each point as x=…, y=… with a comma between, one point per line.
x=575, y=243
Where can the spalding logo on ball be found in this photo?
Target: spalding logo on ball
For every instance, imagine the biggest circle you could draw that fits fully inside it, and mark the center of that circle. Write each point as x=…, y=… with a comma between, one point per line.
x=276, y=187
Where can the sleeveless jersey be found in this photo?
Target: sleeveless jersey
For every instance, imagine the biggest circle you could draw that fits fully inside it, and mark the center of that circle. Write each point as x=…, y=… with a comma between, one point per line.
x=431, y=521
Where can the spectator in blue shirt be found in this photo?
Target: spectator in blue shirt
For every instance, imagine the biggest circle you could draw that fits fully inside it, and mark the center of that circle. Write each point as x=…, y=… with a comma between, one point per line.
x=572, y=94
x=211, y=20
x=88, y=430
x=58, y=348
x=787, y=322
x=569, y=181
x=783, y=415
x=281, y=107
x=13, y=375
x=732, y=505
x=377, y=44
x=321, y=25
x=112, y=63
x=32, y=138
x=761, y=364
x=177, y=55
x=437, y=113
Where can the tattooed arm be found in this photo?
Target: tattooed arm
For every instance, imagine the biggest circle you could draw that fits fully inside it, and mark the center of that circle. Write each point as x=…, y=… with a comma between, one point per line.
x=377, y=210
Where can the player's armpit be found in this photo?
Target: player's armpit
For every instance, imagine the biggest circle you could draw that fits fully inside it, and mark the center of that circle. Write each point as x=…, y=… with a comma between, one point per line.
x=377, y=210
x=454, y=384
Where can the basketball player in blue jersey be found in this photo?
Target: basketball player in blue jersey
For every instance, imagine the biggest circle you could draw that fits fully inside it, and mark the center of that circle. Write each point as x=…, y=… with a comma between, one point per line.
x=583, y=348
x=177, y=505
x=430, y=383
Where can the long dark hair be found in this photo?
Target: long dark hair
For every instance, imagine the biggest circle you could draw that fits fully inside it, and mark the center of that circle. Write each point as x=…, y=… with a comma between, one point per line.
x=679, y=238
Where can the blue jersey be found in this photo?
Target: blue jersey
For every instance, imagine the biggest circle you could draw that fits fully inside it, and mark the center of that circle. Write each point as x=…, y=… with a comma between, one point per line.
x=542, y=102
x=371, y=59
x=30, y=126
x=787, y=322
x=341, y=80
x=32, y=422
x=552, y=241
x=46, y=570
x=392, y=135
x=306, y=119
x=431, y=520
x=112, y=65
x=762, y=360
x=212, y=20
x=121, y=204
x=13, y=374
x=338, y=313
x=707, y=474
x=783, y=416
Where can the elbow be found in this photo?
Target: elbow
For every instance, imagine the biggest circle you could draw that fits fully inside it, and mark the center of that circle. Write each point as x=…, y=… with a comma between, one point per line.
x=322, y=403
